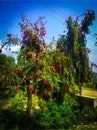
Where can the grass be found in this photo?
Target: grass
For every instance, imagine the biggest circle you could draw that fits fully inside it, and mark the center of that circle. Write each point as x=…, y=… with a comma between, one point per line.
x=6, y=102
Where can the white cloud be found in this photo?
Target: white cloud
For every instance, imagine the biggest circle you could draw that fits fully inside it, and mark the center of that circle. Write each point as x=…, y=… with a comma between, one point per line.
x=11, y=52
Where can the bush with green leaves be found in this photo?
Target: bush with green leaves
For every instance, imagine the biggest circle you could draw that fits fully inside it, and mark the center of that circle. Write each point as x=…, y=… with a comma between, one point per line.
x=49, y=115
x=53, y=115
x=89, y=115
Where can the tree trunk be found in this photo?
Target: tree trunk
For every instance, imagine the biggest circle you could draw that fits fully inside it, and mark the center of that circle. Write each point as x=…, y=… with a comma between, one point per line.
x=29, y=102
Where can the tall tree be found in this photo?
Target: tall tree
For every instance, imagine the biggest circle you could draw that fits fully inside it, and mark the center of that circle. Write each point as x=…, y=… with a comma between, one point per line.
x=74, y=44
x=45, y=71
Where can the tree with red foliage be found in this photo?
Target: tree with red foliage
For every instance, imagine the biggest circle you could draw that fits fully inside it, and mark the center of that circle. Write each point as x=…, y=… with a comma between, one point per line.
x=49, y=73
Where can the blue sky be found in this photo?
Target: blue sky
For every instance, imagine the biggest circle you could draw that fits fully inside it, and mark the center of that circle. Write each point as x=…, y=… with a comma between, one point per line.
x=55, y=11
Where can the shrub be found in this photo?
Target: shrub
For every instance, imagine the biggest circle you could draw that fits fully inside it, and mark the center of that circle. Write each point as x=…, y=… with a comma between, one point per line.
x=54, y=116
x=88, y=115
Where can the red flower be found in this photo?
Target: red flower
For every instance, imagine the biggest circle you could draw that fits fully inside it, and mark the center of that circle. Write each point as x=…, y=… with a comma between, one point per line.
x=33, y=57
x=40, y=58
x=43, y=33
x=32, y=90
x=17, y=88
x=29, y=78
x=45, y=81
x=38, y=76
x=35, y=35
x=28, y=55
x=37, y=40
x=53, y=64
x=26, y=32
x=49, y=88
x=54, y=70
x=21, y=72
x=44, y=45
x=37, y=29
x=66, y=89
x=42, y=82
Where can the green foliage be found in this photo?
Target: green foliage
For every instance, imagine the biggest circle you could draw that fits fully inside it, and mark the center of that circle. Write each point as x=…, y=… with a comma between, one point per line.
x=13, y=118
x=87, y=21
x=89, y=115
x=50, y=115
x=7, y=78
x=48, y=72
x=56, y=116
x=74, y=44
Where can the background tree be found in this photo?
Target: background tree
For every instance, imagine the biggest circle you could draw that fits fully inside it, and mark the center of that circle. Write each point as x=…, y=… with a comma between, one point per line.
x=7, y=79
x=74, y=44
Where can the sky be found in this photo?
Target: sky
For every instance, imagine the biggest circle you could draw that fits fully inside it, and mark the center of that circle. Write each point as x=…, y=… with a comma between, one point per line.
x=55, y=11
